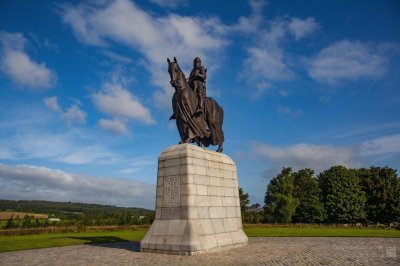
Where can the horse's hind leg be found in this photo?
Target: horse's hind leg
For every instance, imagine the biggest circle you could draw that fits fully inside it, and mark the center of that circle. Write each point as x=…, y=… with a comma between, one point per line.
x=220, y=148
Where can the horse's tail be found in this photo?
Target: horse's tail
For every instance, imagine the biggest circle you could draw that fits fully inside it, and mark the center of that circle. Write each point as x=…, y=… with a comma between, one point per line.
x=215, y=117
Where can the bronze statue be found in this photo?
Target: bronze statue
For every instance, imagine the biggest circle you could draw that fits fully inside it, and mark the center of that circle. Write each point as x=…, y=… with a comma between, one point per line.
x=198, y=118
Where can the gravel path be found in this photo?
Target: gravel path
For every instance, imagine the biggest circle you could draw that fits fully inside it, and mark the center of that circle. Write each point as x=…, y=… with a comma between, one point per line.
x=260, y=251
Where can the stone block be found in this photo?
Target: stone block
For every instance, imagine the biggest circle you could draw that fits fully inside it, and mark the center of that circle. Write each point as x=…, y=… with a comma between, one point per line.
x=215, y=181
x=199, y=162
x=214, y=172
x=217, y=212
x=189, y=189
x=216, y=201
x=172, y=162
x=202, y=190
x=174, y=170
x=188, y=200
x=230, y=224
x=176, y=227
x=207, y=226
x=203, y=212
x=187, y=178
x=216, y=191
x=216, y=165
x=202, y=179
x=231, y=212
x=200, y=170
x=189, y=213
x=202, y=200
x=186, y=160
x=223, y=239
x=218, y=225
x=228, y=201
x=229, y=192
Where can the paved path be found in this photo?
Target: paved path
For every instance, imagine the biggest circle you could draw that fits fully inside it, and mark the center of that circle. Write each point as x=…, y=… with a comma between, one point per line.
x=260, y=251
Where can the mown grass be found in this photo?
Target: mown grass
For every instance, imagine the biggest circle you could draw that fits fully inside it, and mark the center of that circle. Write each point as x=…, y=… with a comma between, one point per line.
x=13, y=243
x=319, y=232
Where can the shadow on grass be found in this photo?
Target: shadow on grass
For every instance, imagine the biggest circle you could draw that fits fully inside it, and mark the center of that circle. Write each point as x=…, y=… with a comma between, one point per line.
x=110, y=242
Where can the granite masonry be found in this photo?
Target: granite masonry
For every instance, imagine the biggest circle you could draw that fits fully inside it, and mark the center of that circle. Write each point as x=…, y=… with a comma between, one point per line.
x=197, y=205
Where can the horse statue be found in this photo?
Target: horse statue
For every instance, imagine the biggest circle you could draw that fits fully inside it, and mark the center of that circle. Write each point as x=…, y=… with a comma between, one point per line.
x=204, y=128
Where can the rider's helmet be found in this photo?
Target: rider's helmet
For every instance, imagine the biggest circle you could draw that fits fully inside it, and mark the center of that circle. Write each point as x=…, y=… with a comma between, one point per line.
x=197, y=59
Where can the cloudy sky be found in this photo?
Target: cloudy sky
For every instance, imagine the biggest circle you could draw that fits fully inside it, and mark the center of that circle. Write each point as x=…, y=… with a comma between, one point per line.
x=85, y=95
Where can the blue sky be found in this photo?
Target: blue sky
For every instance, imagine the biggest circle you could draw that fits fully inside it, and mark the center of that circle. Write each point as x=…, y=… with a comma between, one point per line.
x=85, y=95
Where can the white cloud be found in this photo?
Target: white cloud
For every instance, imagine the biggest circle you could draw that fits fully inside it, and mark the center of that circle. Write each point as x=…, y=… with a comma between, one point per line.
x=87, y=154
x=115, y=126
x=137, y=165
x=322, y=157
x=33, y=182
x=267, y=62
x=348, y=60
x=288, y=111
x=382, y=145
x=116, y=101
x=317, y=157
x=52, y=103
x=117, y=57
x=20, y=68
x=155, y=37
x=71, y=116
x=74, y=115
x=251, y=23
x=73, y=146
x=301, y=28
x=170, y=3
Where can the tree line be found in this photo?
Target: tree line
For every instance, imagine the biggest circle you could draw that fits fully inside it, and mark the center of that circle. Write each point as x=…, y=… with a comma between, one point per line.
x=336, y=195
x=72, y=213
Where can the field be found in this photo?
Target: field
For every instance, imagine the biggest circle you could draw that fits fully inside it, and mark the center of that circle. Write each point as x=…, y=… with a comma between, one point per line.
x=4, y=215
x=319, y=232
x=13, y=243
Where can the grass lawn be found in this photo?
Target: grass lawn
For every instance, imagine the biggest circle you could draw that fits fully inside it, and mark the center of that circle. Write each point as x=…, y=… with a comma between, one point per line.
x=316, y=231
x=13, y=243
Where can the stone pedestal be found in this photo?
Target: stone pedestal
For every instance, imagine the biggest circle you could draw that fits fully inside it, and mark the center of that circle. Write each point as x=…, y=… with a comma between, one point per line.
x=197, y=206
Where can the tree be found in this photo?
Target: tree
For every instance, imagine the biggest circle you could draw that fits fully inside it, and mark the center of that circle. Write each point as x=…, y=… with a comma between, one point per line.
x=280, y=205
x=26, y=221
x=255, y=206
x=244, y=203
x=244, y=200
x=306, y=190
x=341, y=195
x=10, y=222
x=382, y=188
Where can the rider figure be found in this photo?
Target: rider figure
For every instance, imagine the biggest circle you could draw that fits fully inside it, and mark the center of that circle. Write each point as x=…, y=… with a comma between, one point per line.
x=197, y=81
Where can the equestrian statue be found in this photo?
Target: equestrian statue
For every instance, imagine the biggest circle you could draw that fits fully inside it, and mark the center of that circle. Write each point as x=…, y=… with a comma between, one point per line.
x=198, y=117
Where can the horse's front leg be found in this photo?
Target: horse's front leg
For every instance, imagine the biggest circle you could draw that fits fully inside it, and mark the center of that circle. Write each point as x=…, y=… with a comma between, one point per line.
x=184, y=141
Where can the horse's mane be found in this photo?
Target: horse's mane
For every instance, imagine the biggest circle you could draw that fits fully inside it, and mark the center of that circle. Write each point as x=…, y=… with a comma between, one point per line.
x=183, y=77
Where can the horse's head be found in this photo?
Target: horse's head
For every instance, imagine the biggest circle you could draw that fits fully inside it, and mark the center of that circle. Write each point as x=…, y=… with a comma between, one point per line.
x=176, y=74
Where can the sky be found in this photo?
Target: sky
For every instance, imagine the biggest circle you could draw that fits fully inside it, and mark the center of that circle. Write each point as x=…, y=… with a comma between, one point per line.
x=85, y=95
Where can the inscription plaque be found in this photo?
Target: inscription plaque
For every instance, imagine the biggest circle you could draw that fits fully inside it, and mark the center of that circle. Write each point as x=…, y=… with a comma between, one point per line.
x=172, y=198
x=171, y=213
x=172, y=195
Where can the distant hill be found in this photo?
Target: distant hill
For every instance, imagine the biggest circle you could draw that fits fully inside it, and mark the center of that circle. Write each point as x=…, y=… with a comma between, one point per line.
x=57, y=208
